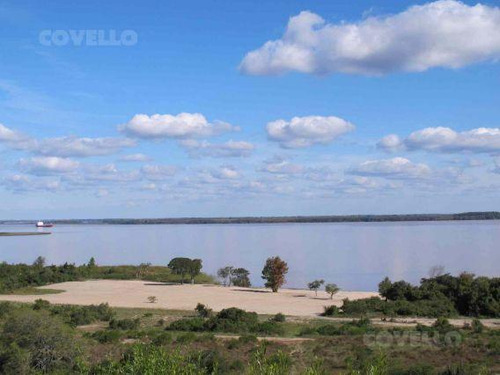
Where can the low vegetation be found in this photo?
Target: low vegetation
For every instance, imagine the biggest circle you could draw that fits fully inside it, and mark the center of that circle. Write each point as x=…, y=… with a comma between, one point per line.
x=17, y=277
x=45, y=338
x=442, y=295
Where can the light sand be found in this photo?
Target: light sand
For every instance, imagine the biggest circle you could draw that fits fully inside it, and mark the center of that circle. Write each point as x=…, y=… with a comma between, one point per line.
x=133, y=293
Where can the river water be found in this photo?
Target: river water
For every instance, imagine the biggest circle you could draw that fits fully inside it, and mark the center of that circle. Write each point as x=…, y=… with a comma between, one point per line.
x=356, y=256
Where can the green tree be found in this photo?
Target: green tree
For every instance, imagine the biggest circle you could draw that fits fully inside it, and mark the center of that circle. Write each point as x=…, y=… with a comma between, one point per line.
x=50, y=343
x=331, y=289
x=274, y=272
x=180, y=266
x=195, y=268
x=240, y=277
x=224, y=274
x=39, y=262
x=315, y=285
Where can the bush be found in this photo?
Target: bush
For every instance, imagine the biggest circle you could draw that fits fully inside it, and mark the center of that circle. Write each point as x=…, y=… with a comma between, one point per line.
x=185, y=338
x=51, y=345
x=233, y=320
x=330, y=311
x=203, y=311
x=41, y=304
x=279, y=318
x=162, y=339
x=477, y=326
x=106, y=336
x=150, y=359
x=270, y=328
x=442, y=325
x=124, y=324
x=189, y=324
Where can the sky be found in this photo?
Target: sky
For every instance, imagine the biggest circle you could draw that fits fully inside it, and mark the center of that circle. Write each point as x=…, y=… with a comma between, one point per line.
x=236, y=108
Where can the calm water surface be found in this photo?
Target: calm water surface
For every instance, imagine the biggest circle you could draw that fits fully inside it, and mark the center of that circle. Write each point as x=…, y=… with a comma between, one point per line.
x=356, y=256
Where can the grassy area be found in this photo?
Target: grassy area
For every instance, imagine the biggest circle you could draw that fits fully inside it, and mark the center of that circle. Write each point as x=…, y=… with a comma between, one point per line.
x=31, y=291
x=10, y=234
x=109, y=334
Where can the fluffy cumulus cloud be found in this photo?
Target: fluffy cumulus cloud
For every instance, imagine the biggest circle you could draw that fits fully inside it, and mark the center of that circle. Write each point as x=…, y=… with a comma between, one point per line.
x=69, y=146
x=395, y=168
x=446, y=140
x=281, y=166
x=9, y=135
x=307, y=131
x=181, y=126
x=158, y=172
x=443, y=33
x=48, y=165
x=135, y=158
x=21, y=183
x=79, y=147
x=219, y=150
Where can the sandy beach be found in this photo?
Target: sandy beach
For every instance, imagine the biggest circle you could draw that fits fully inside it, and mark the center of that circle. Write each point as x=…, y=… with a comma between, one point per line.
x=134, y=293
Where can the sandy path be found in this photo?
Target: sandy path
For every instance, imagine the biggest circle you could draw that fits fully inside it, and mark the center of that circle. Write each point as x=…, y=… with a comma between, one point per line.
x=133, y=293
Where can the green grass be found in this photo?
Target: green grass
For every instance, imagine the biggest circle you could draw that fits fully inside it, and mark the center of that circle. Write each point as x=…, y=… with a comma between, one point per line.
x=32, y=291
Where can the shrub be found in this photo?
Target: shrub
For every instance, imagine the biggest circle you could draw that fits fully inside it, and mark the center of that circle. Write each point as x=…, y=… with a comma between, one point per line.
x=477, y=326
x=152, y=299
x=189, y=324
x=124, y=324
x=330, y=311
x=106, y=336
x=203, y=311
x=150, y=359
x=185, y=338
x=442, y=325
x=260, y=364
x=279, y=318
x=270, y=328
x=51, y=344
x=162, y=339
x=233, y=320
x=41, y=304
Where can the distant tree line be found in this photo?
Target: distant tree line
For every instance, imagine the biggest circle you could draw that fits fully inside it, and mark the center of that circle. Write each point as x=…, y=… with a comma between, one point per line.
x=487, y=215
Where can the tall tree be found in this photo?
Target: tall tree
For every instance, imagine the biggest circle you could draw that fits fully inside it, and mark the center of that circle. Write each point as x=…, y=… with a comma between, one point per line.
x=314, y=285
x=331, y=289
x=224, y=274
x=180, y=266
x=195, y=269
x=274, y=272
x=240, y=277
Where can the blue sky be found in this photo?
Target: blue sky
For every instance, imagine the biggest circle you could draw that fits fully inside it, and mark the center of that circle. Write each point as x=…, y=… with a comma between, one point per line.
x=287, y=108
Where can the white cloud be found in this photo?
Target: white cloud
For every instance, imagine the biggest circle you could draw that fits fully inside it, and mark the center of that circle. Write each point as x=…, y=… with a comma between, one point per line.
x=280, y=166
x=443, y=33
x=9, y=135
x=79, y=147
x=307, y=131
x=48, y=165
x=70, y=146
x=446, y=140
x=158, y=172
x=390, y=143
x=181, y=126
x=22, y=183
x=220, y=150
x=226, y=173
x=135, y=157
x=105, y=173
x=395, y=168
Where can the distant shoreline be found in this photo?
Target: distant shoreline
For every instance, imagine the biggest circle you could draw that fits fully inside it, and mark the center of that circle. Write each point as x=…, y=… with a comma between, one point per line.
x=490, y=215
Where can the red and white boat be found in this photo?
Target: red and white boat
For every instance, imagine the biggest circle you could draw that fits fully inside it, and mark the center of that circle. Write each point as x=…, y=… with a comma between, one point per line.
x=41, y=224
